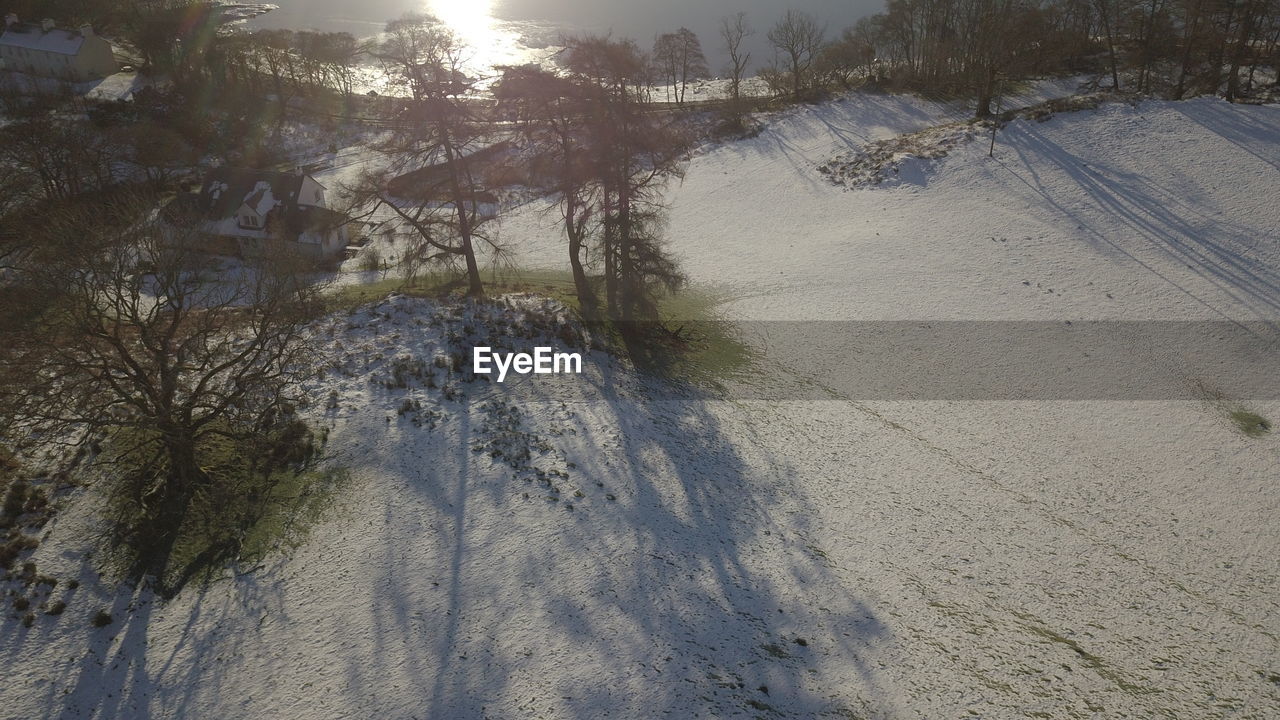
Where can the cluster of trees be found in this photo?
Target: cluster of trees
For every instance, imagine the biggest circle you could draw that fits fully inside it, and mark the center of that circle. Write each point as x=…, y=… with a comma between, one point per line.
x=1162, y=46
x=678, y=58
x=1173, y=47
x=588, y=140
x=188, y=41
x=116, y=333
x=606, y=160
x=49, y=158
x=284, y=63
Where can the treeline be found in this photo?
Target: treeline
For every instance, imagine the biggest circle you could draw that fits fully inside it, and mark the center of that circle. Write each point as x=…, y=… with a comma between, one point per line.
x=1172, y=47
x=189, y=43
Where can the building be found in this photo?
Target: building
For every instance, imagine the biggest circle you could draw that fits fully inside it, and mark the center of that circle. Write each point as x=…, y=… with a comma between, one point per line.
x=246, y=212
x=74, y=55
x=431, y=184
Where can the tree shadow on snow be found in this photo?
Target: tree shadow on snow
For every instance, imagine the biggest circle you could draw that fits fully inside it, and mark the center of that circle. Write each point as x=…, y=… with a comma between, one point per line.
x=680, y=583
x=1221, y=252
x=677, y=585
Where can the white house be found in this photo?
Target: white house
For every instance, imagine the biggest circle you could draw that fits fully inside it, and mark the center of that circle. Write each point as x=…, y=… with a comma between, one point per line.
x=75, y=55
x=244, y=212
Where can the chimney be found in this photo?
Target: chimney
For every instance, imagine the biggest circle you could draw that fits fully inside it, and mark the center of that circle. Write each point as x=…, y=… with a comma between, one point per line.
x=86, y=30
x=46, y=24
x=11, y=19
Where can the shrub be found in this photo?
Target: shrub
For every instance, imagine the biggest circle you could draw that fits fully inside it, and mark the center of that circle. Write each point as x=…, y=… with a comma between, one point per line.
x=56, y=608
x=10, y=550
x=370, y=259
x=102, y=618
x=21, y=603
x=15, y=499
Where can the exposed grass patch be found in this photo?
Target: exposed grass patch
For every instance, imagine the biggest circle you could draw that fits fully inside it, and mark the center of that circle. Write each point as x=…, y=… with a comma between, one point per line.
x=696, y=343
x=1091, y=661
x=1245, y=420
x=1250, y=423
x=258, y=498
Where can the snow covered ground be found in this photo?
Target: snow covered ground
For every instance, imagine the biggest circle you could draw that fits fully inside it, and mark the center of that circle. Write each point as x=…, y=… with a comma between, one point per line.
x=727, y=556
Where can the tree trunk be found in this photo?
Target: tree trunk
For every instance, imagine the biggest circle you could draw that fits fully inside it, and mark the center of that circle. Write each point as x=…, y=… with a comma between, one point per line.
x=586, y=297
x=986, y=92
x=1111, y=44
x=475, y=288
x=1237, y=57
x=795, y=76
x=1188, y=42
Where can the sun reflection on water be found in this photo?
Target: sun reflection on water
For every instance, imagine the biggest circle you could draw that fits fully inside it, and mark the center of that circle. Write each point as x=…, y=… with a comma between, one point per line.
x=489, y=42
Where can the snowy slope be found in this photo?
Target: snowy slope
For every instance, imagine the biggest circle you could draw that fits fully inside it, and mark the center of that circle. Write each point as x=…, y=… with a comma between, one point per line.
x=1166, y=206
x=780, y=558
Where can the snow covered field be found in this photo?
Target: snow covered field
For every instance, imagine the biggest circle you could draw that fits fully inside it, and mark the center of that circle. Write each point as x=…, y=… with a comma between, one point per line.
x=723, y=556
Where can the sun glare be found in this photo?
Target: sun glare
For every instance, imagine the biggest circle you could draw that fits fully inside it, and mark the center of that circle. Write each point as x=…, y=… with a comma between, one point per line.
x=488, y=44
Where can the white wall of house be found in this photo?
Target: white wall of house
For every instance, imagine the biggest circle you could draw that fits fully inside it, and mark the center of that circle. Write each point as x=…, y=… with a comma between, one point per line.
x=45, y=50
x=96, y=58
x=249, y=218
x=311, y=193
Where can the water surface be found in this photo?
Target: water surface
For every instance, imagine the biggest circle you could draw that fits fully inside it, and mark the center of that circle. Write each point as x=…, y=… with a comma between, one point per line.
x=505, y=31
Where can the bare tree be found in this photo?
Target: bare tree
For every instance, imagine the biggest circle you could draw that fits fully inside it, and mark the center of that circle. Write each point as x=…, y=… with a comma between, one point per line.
x=733, y=30
x=60, y=157
x=124, y=333
x=436, y=196
x=678, y=57
x=1106, y=16
x=550, y=109
x=797, y=39
x=156, y=150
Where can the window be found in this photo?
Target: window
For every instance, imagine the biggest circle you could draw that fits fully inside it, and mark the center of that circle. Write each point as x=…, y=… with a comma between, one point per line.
x=249, y=221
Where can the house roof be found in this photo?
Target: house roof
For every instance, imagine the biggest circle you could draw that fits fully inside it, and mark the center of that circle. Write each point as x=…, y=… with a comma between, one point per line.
x=273, y=195
x=226, y=189
x=431, y=182
x=32, y=37
x=308, y=218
